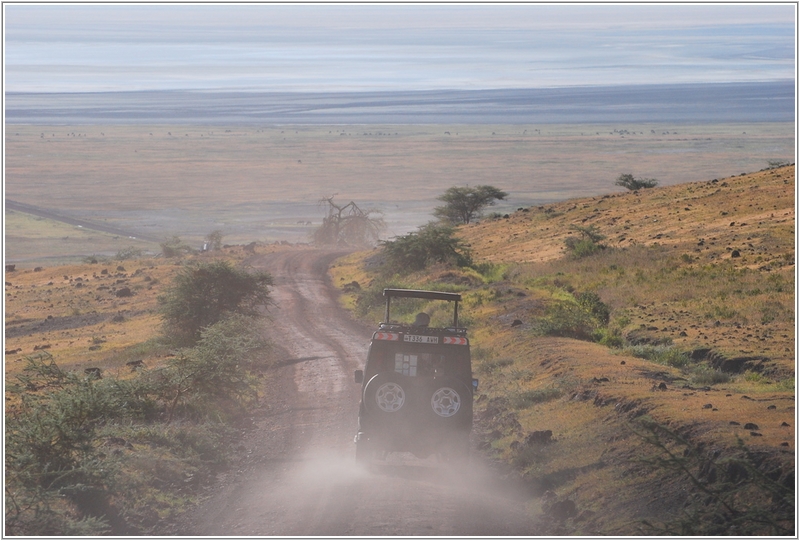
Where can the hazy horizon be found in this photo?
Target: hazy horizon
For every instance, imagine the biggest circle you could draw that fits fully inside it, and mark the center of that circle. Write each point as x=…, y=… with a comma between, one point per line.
x=398, y=47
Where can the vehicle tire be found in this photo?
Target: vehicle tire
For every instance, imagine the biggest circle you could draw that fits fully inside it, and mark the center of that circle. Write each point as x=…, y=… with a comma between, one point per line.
x=386, y=395
x=449, y=402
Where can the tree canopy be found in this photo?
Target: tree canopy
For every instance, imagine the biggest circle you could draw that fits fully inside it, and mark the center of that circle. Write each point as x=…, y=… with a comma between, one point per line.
x=463, y=204
x=626, y=180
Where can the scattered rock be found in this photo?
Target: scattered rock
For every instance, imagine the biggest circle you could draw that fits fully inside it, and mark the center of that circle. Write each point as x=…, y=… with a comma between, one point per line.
x=124, y=292
x=751, y=426
x=707, y=406
x=785, y=424
x=752, y=433
x=516, y=323
x=772, y=407
x=352, y=287
x=662, y=386
x=734, y=423
x=133, y=365
x=93, y=372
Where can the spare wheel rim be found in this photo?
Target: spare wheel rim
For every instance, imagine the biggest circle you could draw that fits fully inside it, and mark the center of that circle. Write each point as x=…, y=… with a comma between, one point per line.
x=390, y=397
x=445, y=402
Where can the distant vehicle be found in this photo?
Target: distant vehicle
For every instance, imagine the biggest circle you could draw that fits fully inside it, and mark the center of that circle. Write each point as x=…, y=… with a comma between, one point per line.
x=416, y=387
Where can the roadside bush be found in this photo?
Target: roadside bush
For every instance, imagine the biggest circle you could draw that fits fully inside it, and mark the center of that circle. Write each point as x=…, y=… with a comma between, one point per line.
x=586, y=244
x=433, y=243
x=584, y=318
x=202, y=294
x=566, y=319
x=216, y=369
x=175, y=247
x=61, y=478
x=51, y=449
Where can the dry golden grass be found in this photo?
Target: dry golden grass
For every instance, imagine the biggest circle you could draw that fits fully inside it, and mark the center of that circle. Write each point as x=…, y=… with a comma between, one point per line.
x=672, y=269
x=75, y=313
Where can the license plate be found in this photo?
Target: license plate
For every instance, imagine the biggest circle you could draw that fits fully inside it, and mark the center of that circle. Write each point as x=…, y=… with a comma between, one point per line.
x=419, y=339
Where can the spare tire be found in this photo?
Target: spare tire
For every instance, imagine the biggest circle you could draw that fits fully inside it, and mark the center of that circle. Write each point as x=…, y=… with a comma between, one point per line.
x=449, y=402
x=386, y=395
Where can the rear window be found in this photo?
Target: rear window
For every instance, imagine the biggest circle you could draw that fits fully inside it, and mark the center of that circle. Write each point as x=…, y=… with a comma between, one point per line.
x=418, y=360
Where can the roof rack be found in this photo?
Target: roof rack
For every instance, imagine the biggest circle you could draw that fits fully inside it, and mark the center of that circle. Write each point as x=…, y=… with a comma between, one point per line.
x=422, y=294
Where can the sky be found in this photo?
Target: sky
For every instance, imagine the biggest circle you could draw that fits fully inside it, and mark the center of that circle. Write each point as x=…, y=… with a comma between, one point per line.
x=380, y=47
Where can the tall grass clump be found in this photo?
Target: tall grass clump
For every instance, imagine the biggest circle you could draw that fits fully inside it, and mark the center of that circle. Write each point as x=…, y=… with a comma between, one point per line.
x=662, y=354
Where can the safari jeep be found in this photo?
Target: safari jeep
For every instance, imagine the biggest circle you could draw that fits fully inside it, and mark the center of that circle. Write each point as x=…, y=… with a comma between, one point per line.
x=416, y=386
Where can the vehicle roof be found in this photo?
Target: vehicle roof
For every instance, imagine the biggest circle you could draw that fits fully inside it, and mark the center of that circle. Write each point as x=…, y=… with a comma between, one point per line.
x=421, y=294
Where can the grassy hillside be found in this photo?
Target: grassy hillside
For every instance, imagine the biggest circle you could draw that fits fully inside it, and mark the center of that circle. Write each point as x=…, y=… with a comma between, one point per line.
x=694, y=363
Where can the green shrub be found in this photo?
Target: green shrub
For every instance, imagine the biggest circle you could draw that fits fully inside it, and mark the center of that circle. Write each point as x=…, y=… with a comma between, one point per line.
x=661, y=354
x=175, y=247
x=566, y=319
x=608, y=337
x=705, y=375
x=626, y=180
x=584, y=319
x=215, y=368
x=433, y=243
x=587, y=244
x=202, y=294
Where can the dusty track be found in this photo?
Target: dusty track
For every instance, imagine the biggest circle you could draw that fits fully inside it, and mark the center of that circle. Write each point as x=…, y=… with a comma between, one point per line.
x=300, y=477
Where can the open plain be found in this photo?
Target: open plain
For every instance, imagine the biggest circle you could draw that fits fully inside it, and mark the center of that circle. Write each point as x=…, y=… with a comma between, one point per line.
x=263, y=183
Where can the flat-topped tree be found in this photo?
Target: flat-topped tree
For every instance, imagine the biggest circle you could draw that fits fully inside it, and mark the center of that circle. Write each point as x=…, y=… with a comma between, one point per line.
x=463, y=204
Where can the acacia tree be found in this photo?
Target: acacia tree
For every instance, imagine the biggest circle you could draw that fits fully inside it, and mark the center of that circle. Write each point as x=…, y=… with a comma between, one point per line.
x=626, y=180
x=348, y=224
x=463, y=204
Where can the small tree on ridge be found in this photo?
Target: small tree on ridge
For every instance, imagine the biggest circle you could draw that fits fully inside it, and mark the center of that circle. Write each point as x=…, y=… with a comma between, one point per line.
x=463, y=204
x=626, y=180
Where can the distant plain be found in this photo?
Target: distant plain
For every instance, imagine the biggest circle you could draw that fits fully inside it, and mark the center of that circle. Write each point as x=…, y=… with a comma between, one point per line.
x=263, y=183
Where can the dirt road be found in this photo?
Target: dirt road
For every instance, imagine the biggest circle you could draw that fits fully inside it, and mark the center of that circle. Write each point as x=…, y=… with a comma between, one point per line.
x=301, y=479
